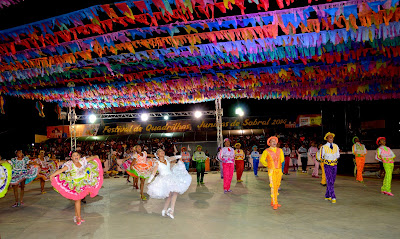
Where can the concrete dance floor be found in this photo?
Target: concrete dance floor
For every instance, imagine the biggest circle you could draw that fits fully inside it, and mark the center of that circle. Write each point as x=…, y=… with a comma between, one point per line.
x=206, y=212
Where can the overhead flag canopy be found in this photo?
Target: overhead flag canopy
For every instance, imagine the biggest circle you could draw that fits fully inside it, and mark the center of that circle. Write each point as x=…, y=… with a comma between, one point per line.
x=7, y=3
x=153, y=52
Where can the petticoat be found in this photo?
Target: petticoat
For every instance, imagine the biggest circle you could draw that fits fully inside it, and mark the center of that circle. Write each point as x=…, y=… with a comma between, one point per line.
x=29, y=174
x=178, y=181
x=141, y=170
x=78, y=188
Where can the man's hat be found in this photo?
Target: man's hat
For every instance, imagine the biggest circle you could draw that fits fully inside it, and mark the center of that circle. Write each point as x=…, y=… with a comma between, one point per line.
x=354, y=139
x=269, y=140
x=379, y=139
x=329, y=133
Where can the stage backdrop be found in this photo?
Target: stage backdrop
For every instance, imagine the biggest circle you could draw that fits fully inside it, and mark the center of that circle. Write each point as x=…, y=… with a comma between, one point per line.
x=208, y=124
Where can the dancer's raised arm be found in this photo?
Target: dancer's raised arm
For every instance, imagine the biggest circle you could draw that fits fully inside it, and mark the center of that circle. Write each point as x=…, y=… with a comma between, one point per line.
x=62, y=170
x=172, y=158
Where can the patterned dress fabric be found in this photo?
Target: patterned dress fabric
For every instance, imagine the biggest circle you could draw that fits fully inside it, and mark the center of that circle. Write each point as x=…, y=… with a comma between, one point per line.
x=21, y=171
x=142, y=167
x=47, y=168
x=78, y=182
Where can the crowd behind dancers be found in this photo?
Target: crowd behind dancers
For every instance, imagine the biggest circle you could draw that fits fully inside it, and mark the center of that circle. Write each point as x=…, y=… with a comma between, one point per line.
x=102, y=148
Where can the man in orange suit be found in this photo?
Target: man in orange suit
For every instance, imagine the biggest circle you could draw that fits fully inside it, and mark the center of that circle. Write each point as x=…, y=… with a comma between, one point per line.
x=272, y=158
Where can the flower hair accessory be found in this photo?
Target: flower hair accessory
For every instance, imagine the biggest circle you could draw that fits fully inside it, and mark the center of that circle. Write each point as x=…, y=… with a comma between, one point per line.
x=156, y=155
x=72, y=151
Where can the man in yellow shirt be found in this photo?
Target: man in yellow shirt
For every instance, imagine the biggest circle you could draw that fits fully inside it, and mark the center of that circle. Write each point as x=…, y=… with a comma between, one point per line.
x=329, y=155
x=239, y=162
x=272, y=158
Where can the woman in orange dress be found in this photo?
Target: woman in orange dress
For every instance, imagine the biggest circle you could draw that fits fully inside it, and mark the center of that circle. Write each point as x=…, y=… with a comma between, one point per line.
x=141, y=167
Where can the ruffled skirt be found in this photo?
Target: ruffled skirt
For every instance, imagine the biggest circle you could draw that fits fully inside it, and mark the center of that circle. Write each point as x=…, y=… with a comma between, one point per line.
x=45, y=172
x=141, y=170
x=78, y=188
x=178, y=181
x=126, y=164
x=28, y=175
x=5, y=178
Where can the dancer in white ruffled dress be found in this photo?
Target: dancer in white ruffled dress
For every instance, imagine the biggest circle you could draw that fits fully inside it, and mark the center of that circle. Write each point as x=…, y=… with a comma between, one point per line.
x=169, y=183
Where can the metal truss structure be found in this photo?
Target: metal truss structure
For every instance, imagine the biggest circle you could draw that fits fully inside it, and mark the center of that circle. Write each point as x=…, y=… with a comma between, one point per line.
x=219, y=113
x=72, y=118
x=138, y=115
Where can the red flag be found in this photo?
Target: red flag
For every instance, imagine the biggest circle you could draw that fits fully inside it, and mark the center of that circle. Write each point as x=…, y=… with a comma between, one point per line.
x=123, y=7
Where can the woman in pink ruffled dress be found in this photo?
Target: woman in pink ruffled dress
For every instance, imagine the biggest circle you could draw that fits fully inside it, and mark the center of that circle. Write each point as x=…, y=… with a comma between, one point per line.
x=128, y=161
x=77, y=178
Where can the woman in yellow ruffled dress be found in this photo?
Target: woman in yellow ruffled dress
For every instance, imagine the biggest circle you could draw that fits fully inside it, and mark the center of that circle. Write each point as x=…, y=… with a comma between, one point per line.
x=5, y=177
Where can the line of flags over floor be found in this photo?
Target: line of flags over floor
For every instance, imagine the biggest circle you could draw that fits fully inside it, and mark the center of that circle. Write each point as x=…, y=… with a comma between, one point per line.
x=334, y=51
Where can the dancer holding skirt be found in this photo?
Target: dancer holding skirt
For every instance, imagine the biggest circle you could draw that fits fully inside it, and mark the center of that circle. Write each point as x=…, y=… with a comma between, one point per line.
x=23, y=172
x=78, y=178
x=169, y=183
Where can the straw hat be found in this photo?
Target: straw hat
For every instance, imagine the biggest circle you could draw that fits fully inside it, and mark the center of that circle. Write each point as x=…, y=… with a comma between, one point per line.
x=329, y=133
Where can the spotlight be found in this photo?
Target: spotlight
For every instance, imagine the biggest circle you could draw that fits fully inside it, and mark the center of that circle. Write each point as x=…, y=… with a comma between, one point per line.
x=166, y=117
x=144, y=117
x=168, y=134
x=197, y=114
x=92, y=118
x=239, y=111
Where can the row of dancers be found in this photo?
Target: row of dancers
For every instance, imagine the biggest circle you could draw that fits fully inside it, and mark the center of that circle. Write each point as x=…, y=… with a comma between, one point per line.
x=82, y=176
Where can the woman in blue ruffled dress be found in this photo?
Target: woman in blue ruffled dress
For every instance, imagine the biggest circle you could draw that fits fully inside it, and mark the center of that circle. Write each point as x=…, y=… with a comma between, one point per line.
x=23, y=172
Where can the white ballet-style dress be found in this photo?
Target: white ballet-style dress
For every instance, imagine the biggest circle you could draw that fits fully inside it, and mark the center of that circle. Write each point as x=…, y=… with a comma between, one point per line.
x=169, y=180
